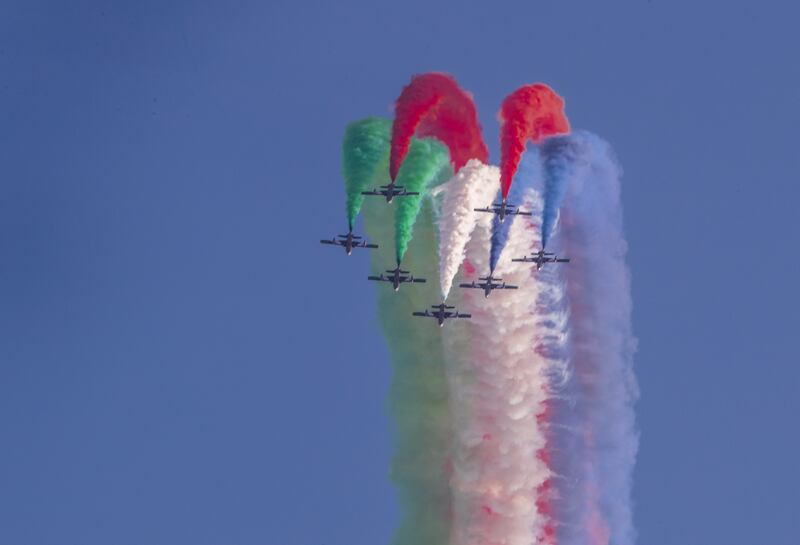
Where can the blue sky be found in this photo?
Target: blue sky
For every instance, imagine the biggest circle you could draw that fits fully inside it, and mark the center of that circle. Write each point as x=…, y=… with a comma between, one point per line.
x=171, y=370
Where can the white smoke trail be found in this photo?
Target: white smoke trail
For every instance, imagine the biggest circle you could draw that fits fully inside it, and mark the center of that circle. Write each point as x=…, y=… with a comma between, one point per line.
x=473, y=186
x=498, y=387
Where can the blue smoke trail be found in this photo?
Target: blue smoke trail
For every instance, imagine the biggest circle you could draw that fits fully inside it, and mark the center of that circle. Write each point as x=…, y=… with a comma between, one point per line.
x=528, y=175
x=560, y=156
x=594, y=430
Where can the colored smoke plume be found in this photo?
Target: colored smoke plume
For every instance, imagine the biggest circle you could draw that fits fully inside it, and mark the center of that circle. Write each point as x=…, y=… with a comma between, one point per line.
x=471, y=187
x=532, y=112
x=427, y=164
x=364, y=149
x=434, y=105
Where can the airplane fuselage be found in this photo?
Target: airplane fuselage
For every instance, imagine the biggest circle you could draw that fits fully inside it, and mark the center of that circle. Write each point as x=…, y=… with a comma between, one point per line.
x=501, y=212
x=489, y=286
x=391, y=191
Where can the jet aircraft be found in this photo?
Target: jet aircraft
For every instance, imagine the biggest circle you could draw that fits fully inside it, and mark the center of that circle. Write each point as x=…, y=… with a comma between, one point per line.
x=487, y=284
x=396, y=277
x=390, y=191
x=348, y=242
x=503, y=209
x=441, y=314
x=540, y=258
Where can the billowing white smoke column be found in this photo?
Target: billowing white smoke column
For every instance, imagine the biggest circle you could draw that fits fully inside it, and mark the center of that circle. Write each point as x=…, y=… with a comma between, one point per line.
x=498, y=386
x=474, y=185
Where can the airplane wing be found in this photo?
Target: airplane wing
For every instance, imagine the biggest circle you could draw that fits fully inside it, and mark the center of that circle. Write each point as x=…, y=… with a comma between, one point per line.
x=483, y=210
x=509, y=287
x=378, y=278
x=370, y=245
x=470, y=285
x=334, y=242
x=520, y=213
x=419, y=280
x=562, y=260
x=406, y=193
x=374, y=192
x=423, y=314
x=460, y=315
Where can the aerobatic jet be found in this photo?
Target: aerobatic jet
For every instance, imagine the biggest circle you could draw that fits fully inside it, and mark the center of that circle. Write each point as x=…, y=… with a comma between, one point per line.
x=503, y=209
x=396, y=277
x=540, y=258
x=348, y=242
x=487, y=284
x=441, y=314
x=390, y=191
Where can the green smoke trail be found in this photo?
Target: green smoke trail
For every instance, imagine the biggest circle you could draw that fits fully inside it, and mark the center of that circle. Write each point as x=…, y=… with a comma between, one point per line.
x=365, y=148
x=427, y=164
x=418, y=396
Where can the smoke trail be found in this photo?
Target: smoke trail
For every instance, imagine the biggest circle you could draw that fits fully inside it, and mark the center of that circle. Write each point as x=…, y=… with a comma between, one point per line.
x=515, y=427
x=434, y=105
x=473, y=186
x=530, y=170
x=595, y=434
x=418, y=399
x=427, y=163
x=364, y=149
x=561, y=157
x=418, y=396
x=532, y=112
x=498, y=387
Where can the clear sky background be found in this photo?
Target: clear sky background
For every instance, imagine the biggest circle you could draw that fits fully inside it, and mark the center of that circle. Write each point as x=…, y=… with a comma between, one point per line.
x=182, y=363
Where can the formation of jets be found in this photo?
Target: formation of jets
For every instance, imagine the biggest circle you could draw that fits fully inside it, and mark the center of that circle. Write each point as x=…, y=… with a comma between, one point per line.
x=390, y=191
x=397, y=276
x=348, y=242
x=503, y=209
x=487, y=284
x=540, y=258
x=441, y=314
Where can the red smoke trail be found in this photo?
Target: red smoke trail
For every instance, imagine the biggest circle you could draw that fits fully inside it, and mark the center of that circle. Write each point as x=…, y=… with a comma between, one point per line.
x=532, y=112
x=434, y=105
x=544, y=502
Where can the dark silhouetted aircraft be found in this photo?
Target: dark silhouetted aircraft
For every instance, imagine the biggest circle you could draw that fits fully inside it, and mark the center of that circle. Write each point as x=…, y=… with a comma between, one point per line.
x=396, y=277
x=348, y=242
x=503, y=209
x=390, y=191
x=540, y=258
x=441, y=314
x=487, y=284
